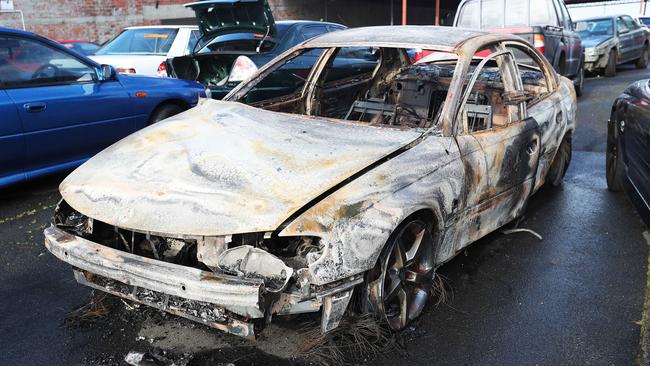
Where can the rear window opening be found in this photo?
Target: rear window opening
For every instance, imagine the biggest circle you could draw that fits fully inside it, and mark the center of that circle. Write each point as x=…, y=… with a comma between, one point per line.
x=141, y=41
x=485, y=14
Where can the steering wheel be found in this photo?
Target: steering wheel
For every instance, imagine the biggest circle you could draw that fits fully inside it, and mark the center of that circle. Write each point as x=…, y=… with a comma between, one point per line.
x=46, y=71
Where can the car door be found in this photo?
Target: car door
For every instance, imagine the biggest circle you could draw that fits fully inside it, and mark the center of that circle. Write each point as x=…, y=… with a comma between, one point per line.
x=12, y=140
x=499, y=146
x=636, y=142
x=572, y=41
x=637, y=35
x=67, y=114
x=625, y=41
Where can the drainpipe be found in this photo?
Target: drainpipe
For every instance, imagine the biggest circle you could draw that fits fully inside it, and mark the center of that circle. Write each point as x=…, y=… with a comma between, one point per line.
x=437, y=12
x=404, y=8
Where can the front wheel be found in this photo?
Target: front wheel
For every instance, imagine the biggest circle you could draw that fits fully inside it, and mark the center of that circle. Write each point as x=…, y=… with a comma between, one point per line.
x=400, y=285
x=163, y=112
x=642, y=62
x=614, y=159
x=610, y=69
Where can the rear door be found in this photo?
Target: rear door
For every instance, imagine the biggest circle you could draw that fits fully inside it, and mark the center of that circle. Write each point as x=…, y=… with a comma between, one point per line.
x=12, y=140
x=66, y=113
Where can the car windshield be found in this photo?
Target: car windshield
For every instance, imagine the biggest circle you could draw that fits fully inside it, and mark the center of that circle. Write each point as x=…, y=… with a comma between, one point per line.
x=367, y=85
x=493, y=14
x=597, y=27
x=141, y=41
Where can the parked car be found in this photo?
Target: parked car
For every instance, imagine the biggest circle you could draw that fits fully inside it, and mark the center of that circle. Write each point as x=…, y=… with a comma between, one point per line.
x=144, y=50
x=611, y=41
x=628, y=146
x=546, y=24
x=232, y=51
x=81, y=46
x=274, y=204
x=59, y=108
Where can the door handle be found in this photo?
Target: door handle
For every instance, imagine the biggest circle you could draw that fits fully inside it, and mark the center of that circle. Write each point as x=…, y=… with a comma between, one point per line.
x=34, y=107
x=531, y=149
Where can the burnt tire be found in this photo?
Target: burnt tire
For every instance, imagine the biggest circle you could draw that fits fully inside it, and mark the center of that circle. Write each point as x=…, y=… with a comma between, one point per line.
x=610, y=69
x=642, y=62
x=163, y=112
x=561, y=163
x=614, y=159
x=399, y=287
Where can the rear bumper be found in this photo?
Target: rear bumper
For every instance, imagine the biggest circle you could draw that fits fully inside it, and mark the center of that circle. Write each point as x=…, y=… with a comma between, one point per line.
x=240, y=296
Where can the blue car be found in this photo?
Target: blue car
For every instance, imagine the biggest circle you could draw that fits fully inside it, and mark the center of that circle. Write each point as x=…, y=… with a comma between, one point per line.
x=59, y=108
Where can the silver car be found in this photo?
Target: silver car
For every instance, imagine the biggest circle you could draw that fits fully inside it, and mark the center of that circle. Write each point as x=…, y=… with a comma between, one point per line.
x=360, y=176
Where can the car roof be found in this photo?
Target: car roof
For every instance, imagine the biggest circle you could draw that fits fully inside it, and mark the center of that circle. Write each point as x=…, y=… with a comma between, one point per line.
x=604, y=17
x=441, y=38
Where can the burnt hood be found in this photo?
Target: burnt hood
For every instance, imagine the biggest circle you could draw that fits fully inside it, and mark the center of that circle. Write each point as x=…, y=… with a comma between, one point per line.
x=217, y=17
x=223, y=168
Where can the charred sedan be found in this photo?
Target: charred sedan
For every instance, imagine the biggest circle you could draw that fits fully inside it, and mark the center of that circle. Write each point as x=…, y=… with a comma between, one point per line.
x=291, y=201
x=628, y=146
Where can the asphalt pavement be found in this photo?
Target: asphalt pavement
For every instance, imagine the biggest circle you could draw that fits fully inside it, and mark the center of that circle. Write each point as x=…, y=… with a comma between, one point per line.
x=574, y=298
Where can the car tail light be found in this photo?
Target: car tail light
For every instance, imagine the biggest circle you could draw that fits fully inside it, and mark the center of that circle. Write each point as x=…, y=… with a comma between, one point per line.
x=125, y=71
x=538, y=42
x=242, y=69
x=162, y=70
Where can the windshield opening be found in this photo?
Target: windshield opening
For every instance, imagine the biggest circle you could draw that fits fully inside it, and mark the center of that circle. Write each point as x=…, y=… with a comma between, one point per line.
x=596, y=27
x=367, y=85
x=140, y=41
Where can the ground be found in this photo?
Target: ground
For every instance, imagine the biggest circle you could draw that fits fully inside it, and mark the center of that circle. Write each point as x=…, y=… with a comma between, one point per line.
x=575, y=297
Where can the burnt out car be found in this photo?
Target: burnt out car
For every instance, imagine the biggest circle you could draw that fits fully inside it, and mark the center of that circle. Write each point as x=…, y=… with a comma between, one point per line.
x=628, y=146
x=242, y=210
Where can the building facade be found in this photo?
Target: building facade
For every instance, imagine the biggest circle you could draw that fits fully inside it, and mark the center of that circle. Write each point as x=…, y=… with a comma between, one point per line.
x=99, y=20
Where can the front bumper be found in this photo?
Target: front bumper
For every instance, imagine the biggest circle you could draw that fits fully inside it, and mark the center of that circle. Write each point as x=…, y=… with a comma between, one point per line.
x=99, y=267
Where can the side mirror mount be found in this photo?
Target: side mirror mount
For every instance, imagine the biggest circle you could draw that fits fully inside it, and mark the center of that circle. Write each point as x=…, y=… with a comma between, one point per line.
x=106, y=73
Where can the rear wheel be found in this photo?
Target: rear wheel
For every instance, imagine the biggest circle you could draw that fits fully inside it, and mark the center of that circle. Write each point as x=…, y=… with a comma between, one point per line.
x=561, y=163
x=580, y=81
x=164, y=111
x=400, y=285
x=610, y=69
x=614, y=158
x=642, y=62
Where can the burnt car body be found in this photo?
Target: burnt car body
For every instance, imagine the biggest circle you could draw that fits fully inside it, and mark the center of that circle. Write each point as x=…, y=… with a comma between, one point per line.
x=611, y=41
x=628, y=146
x=232, y=213
x=236, y=39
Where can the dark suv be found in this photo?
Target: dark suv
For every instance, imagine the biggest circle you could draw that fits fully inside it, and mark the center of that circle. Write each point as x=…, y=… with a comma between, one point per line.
x=546, y=24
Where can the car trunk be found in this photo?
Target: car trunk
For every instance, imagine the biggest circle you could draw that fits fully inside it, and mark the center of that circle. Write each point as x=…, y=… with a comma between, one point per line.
x=211, y=70
x=228, y=16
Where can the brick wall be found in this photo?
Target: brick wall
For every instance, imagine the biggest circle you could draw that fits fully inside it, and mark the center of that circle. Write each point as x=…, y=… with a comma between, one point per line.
x=99, y=20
